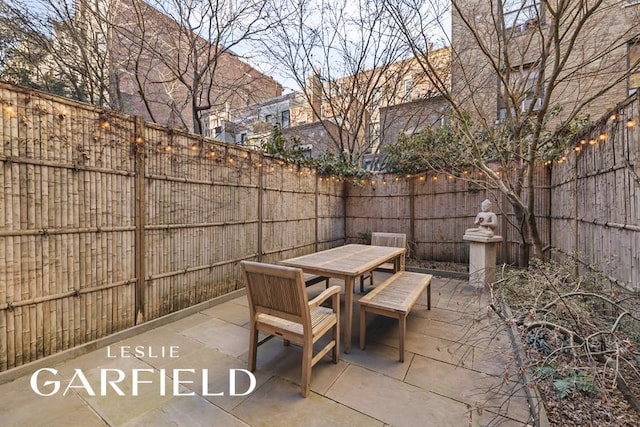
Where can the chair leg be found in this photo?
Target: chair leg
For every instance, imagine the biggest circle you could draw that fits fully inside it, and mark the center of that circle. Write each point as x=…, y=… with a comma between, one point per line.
x=253, y=347
x=336, y=335
x=307, y=355
x=361, y=284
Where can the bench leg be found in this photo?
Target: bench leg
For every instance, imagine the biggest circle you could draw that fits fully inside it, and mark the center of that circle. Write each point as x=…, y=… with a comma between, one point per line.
x=363, y=327
x=402, y=332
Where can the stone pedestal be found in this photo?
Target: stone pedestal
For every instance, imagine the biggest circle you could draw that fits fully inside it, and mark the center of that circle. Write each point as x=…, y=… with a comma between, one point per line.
x=482, y=259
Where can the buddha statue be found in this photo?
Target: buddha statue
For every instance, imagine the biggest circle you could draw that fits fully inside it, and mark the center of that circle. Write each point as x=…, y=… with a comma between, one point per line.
x=486, y=221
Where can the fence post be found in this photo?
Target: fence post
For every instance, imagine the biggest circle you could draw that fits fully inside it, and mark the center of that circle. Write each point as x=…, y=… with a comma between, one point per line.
x=316, y=212
x=139, y=245
x=412, y=215
x=260, y=207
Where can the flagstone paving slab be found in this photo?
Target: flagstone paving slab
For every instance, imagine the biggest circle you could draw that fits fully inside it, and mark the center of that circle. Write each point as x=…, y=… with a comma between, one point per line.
x=395, y=402
x=20, y=406
x=279, y=403
x=223, y=336
x=454, y=374
x=181, y=411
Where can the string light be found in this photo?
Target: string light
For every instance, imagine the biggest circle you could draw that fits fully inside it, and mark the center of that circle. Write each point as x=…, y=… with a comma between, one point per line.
x=168, y=148
x=631, y=123
x=139, y=140
x=8, y=108
x=592, y=142
x=104, y=122
x=603, y=136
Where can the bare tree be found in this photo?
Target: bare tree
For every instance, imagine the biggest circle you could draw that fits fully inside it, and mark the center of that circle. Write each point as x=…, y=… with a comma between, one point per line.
x=169, y=61
x=349, y=63
x=525, y=76
x=58, y=46
x=185, y=48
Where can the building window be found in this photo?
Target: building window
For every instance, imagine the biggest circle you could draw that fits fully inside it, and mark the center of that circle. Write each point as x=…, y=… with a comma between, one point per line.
x=408, y=88
x=522, y=87
x=284, y=119
x=377, y=96
x=633, y=58
x=520, y=15
x=269, y=118
x=243, y=139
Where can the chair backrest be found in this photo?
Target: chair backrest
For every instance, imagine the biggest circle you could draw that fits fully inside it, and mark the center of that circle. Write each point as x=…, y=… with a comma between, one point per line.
x=276, y=290
x=395, y=240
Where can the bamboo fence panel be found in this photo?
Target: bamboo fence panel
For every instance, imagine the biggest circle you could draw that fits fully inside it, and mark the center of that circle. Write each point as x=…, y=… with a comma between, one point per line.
x=106, y=221
x=61, y=218
x=594, y=209
x=435, y=210
x=331, y=213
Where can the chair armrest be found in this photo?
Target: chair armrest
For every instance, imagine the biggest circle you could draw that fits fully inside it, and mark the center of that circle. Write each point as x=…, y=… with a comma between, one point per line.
x=333, y=290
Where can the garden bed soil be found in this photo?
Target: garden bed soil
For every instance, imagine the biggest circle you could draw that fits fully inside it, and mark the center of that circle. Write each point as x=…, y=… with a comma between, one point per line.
x=607, y=408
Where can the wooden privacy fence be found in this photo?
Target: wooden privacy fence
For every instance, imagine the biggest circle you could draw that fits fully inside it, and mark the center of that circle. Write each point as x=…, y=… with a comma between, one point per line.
x=434, y=210
x=595, y=207
x=587, y=204
x=106, y=221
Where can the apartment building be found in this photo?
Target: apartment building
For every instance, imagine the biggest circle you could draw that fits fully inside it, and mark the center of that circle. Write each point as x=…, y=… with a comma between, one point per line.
x=354, y=115
x=129, y=56
x=510, y=59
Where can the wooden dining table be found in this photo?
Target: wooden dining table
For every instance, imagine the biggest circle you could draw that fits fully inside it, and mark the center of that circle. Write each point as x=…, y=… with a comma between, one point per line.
x=347, y=263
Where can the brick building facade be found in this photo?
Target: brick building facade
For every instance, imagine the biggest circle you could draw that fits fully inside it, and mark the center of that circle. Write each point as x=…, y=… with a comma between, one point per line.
x=596, y=59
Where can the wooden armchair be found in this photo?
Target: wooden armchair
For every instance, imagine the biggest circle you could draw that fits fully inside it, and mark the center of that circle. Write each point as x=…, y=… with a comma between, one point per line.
x=395, y=240
x=278, y=306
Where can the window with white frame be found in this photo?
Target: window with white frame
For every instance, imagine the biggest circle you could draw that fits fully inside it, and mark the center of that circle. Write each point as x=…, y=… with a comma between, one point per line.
x=408, y=89
x=285, y=120
x=522, y=88
x=521, y=14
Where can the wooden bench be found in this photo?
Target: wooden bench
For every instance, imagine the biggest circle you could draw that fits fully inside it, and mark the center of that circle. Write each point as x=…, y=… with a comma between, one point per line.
x=395, y=297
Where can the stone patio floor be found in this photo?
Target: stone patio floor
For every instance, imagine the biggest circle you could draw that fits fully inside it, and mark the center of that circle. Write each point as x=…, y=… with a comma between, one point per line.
x=458, y=371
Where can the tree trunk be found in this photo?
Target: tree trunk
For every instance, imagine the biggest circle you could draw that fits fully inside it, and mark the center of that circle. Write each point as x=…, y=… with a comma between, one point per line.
x=523, y=246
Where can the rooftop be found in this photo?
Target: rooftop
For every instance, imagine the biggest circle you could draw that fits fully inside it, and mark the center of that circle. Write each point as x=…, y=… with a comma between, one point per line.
x=456, y=372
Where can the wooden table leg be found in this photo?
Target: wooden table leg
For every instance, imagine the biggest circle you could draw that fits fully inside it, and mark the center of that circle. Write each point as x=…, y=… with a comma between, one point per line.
x=349, y=283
